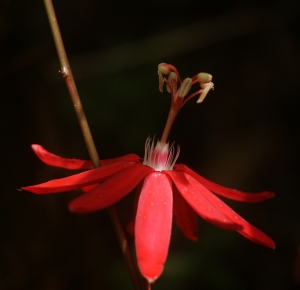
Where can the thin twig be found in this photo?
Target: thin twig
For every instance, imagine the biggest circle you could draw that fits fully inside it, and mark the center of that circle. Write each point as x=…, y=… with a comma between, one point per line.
x=68, y=77
x=125, y=248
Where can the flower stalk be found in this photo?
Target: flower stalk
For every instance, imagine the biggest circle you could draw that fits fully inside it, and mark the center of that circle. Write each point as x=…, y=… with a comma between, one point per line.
x=70, y=83
x=67, y=74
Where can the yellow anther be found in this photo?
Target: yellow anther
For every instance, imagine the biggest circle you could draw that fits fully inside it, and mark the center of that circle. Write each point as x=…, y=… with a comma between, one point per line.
x=172, y=80
x=184, y=88
x=204, y=79
x=207, y=87
x=163, y=68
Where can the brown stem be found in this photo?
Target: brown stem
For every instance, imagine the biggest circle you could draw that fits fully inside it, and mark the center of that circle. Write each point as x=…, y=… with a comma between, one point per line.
x=68, y=76
x=125, y=248
x=69, y=80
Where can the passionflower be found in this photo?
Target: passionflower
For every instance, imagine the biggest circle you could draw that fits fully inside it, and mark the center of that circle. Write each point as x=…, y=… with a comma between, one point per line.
x=163, y=188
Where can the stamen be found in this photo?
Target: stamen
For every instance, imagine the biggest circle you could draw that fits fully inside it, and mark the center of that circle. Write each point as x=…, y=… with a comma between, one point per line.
x=204, y=78
x=163, y=68
x=160, y=82
x=172, y=163
x=206, y=84
x=184, y=88
x=207, y=88
x=172, y=82
x=179, y=97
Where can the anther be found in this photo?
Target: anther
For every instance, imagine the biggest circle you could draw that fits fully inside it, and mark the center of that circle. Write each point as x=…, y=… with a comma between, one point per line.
x=208, y=86
x=172, y=81
x=204, y=79
x=163, y=68
x=184, y=88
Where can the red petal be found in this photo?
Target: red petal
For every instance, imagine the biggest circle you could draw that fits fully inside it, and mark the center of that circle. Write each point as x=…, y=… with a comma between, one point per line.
x=78, y=180
x=58, y=161
x=153, y=225
x=89, y=187
x=110, y=191
x=248, y=231
x=76, y=164
x=131, y=225
x=193, y=194
x=185, y=216
x=224, y=191
x=128, y=157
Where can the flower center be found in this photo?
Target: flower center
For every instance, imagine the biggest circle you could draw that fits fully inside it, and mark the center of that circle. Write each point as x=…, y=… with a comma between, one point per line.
x=161, y=157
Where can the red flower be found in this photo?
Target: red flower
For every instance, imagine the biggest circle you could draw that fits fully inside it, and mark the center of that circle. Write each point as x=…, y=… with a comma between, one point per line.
x=164, y=188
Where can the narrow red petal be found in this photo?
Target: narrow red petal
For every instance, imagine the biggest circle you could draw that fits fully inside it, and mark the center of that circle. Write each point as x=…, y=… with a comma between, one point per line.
x=224, y=191
x=57, y=161
x=185, y=216
x=76, y=164
x=110, y=191
x=153, y=225
x=89, y=187
x=193, y=195
x=128, y=157
x=78, y=180
x=248, y=231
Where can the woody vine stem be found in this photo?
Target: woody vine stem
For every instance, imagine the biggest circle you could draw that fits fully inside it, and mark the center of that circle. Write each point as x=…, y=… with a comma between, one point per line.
x=70, y=83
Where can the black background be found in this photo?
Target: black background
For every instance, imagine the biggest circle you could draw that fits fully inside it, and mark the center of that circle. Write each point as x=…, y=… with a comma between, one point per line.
x=245, y=135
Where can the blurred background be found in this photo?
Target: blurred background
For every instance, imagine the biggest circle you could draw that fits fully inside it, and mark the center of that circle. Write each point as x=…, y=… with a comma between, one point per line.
x=245, y=135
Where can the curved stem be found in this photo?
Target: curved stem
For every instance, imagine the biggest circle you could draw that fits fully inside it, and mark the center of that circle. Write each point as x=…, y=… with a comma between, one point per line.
x=124, y=247
x=69, y=80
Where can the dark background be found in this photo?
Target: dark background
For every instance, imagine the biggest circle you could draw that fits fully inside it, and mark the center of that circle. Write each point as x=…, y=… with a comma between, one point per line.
x=245, y=135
